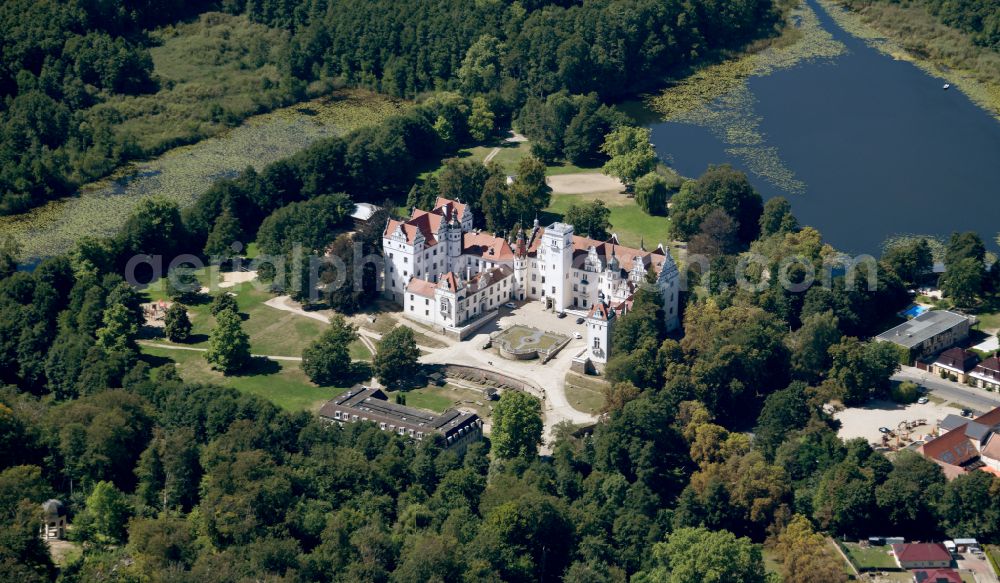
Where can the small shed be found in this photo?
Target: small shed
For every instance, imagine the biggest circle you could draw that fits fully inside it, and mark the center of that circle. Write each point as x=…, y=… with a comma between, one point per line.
x=966, y=544
x=54, y=515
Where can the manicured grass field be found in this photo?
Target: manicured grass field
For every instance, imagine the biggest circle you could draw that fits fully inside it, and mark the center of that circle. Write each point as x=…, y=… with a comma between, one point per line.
x=428, y=399
x=283, y=383
x=871, y=557
x=585, y=393
x=523, y=337
x=632, y=225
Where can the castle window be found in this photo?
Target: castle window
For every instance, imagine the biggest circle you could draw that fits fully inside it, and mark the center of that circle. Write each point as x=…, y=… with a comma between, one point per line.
x=406, y=260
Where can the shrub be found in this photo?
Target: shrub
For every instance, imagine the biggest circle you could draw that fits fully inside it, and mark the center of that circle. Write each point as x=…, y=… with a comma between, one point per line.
x=905, y=392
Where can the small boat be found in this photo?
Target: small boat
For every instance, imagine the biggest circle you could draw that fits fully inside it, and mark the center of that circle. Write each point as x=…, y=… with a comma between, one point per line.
x=947, y=86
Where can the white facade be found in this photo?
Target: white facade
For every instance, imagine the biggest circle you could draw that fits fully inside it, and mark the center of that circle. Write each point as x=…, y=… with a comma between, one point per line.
x=436, y=256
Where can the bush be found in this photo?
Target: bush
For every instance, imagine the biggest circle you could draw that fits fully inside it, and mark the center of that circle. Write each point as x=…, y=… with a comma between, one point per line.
x=905, y=392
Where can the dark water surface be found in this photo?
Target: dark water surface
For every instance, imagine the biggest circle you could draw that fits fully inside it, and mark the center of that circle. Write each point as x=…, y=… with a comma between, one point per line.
x=882, y=148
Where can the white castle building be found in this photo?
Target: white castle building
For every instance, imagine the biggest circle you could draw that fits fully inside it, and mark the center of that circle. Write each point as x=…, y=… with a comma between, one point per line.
x=444, y=273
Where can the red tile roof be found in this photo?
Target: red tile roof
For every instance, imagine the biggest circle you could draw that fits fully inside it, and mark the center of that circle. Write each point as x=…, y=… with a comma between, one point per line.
x=936, y=576
x=425, y=222
x=952, y=448
x=921, y=552
x=453, y=205
x=600, y=311
x=421, y=287
x=487, y=246
x=990, y=418
x=448, y=282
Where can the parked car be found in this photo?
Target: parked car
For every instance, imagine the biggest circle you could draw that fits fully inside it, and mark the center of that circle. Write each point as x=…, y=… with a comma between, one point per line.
x=922, y=400
x=510, y=305
x=883, y=430
x=966, y=413
x=561, y=315
x=579, y=320
x=577, y=335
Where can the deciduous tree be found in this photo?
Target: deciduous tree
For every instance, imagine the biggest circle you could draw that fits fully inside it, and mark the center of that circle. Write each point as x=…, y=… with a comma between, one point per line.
x=176, y=324
x=228, y=345
x=327, y=360
x=631, y=153
x=517, y=425
x=396, y=357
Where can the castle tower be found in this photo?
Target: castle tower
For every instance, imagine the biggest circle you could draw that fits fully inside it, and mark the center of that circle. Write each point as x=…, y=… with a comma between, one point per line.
x=520, y=266
x=668, y=281
x=600, y=325
x=556, y=254
x=454, y=232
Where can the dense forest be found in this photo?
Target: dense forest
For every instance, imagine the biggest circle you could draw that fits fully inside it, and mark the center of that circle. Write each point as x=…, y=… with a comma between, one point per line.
x=172, y=481
x=59, y=60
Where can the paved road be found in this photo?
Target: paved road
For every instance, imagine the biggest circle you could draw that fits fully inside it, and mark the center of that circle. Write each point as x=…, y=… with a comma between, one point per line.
x=978, y=399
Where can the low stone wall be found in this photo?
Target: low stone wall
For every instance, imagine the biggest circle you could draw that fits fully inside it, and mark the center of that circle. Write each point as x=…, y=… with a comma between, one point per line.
x=488, y=376
x=463, y=332
x=510, y=354
x=552, y=352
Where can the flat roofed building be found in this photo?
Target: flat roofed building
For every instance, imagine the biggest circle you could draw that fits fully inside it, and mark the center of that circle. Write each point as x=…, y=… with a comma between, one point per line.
x=369, y=404
x=929, y=333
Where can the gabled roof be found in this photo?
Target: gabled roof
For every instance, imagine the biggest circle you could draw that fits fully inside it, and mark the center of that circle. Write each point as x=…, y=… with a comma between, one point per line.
x=448, y=281
x=426, y=223
x=601, y=311
x=958, y=359
x=992, y=447
x=487, y=246
x=421, y=287
x=989, y=368
x=952, y=421
x=936, y=576
x=921, y=552
x=452, y=205
x=990, y=418
x=952, y=448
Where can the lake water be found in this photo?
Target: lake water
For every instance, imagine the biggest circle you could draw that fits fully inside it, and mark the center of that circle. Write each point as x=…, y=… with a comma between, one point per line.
x=881, y=148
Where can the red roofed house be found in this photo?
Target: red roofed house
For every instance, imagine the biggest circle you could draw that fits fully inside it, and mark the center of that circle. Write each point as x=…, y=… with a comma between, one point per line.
x=922, y=555
x=955, y=362
x=936, y=576
x=987, y=374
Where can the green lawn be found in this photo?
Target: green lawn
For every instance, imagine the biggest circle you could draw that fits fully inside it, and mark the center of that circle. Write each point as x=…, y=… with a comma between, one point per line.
x=632, y=225
x=428, y=399
x=283, y=383
x=585, y=393
x=384, y=322
x=439, y=399
x=272, y=332
x=990, y=321
x=509, y=155
x=871, y=557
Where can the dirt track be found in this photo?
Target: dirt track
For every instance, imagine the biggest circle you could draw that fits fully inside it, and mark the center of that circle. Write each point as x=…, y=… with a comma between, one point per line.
x=584, y=183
